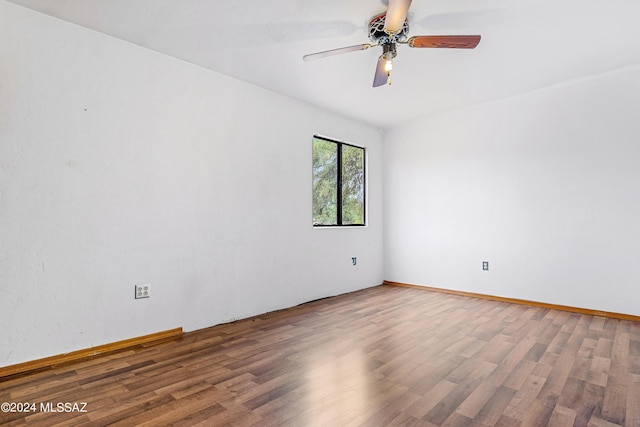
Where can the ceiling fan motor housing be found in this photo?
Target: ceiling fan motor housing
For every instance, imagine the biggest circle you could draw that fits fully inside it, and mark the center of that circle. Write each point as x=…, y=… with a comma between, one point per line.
x=389, y=50
x=379, y=36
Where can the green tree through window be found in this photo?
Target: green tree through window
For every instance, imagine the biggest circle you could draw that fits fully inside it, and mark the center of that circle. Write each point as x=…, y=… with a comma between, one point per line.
x=338, y=183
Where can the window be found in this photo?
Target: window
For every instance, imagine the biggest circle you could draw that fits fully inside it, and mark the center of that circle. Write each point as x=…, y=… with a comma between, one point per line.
x=338, y=183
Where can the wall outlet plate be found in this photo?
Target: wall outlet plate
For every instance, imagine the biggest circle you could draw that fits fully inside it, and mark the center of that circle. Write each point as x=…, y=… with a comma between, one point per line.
x=143, y=291
x=485, y=265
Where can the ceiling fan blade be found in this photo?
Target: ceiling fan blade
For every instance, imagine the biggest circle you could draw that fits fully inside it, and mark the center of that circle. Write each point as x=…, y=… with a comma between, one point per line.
x=381, y=77
x=338, y=51
x=455, y=42
x=396, y=15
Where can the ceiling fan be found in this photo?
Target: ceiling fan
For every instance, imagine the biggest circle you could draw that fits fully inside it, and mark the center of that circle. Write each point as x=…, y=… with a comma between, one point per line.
x=390, y=29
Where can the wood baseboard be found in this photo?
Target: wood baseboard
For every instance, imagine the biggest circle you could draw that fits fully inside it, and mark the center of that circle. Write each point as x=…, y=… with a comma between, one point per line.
x=609, y=314
x=74, y=356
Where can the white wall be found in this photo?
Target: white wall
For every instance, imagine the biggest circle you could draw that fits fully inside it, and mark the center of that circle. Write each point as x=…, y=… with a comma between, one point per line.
x=544, y=186
x=121, y=166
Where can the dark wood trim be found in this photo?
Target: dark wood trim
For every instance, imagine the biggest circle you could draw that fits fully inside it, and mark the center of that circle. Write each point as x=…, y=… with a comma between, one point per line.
x=609, y=314
x=51, y=361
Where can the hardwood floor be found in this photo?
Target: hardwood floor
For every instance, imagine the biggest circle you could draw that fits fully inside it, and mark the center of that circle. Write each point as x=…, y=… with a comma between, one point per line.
x=378, y=357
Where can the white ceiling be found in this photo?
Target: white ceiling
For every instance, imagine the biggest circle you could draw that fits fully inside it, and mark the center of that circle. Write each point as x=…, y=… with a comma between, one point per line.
x=526, y=45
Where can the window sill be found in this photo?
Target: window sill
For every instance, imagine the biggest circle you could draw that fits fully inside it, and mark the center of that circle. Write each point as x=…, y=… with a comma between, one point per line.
x=333, y=227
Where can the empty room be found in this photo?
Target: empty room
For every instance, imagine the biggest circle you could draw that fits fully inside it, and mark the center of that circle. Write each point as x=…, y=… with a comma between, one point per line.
x=319, y=213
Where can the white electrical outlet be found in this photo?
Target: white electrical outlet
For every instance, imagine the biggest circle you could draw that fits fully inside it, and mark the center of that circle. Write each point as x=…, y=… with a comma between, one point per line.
x=143, y=291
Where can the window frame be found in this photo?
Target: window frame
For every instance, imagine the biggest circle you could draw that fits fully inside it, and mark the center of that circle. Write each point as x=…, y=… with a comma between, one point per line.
x=339, y=202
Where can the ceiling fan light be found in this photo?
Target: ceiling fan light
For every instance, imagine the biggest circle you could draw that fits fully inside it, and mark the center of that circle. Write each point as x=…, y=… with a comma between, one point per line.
x=388, y=66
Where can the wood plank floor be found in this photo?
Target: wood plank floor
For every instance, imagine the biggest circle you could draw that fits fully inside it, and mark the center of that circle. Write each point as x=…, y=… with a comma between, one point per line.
x=378, y=357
